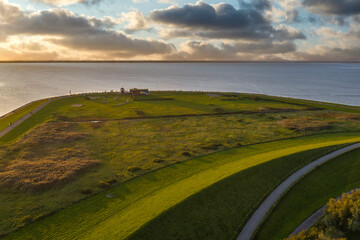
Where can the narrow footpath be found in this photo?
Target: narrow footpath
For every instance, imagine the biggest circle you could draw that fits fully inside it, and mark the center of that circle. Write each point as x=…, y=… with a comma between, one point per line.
x=256, y=219
x=21, y=120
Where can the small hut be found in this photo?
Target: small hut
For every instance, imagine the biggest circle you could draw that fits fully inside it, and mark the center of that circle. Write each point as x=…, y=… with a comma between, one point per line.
x=136, y=91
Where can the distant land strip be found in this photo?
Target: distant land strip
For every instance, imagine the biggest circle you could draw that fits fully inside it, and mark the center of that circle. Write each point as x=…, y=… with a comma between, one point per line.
x=173, y=61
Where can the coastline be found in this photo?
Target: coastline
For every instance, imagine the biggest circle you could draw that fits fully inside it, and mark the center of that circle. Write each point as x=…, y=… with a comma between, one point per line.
x=307, y=101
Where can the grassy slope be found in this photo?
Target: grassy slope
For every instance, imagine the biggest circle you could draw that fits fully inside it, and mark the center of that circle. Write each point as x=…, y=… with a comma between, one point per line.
x=140, y=200
x=312, y=192
x=19, y=113
x=41, y=116
x=120, y=145
x=219, y=211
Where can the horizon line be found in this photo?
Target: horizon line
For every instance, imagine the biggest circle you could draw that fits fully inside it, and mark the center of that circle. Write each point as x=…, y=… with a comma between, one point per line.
x=166, y=61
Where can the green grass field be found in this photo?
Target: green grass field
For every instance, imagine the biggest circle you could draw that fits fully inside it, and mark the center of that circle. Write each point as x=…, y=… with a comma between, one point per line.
x=219, y=211
x=19, y=113
x=152, y=152
x=114, y=106
x=311, y=193
x=138, y=201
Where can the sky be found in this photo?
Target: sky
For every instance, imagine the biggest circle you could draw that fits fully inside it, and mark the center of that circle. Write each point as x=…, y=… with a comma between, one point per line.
x=232, y=30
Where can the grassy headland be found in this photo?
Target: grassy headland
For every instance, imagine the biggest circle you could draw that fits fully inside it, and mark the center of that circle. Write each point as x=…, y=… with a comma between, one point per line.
x=78, y=146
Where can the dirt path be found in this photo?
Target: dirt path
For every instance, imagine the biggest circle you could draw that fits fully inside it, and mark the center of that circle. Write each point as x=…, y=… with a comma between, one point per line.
x=21, y=120
x=256, y=219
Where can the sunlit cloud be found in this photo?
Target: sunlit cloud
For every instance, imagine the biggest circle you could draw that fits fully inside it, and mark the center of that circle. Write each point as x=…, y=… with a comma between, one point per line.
x=179, y=30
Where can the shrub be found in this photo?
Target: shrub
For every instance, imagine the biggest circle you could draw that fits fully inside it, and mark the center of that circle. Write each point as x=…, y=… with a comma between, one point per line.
x=103, y=184
x=97, y=125
x=62, y=118
x=86, y=191
x=305, y=124
x=134, y=169
x=212, y=146
x=253, y=98
x=311, y=234
x=111, y=180
x=140, y=112
x=341, y=217
x=158, y=161
x=186, y=154
x=219, y=110
x=26, y=219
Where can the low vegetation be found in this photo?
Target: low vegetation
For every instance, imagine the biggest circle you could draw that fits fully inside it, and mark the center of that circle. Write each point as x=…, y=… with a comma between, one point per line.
x=138, y=201
x=45, y=157
x=305, y=124
x=78, y=146
x=341, y=218
x=39, y=174
x=311, y=193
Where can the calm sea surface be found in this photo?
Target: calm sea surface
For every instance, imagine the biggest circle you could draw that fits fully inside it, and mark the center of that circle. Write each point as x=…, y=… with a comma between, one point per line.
x=338, y=83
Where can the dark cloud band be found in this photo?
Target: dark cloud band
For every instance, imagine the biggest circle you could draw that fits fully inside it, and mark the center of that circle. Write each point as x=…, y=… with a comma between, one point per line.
x=330, y=7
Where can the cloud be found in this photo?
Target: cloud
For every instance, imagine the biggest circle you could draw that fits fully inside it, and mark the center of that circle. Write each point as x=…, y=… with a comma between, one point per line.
x=9, y=12
x=67, y=2
x=200, y=50
x=135, y=21
x=333, y=7
x=220, y=21
x=204, y=16
x=203, y=50
x=288, y=11
x=337, y=45
x=139, y=1
x=64, y=28
x=111, y=41
x=172, y=2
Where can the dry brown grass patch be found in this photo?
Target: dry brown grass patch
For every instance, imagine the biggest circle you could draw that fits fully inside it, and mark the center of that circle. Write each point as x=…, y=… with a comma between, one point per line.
x=305, y=124
x=37, y=174
x=340, y=116
x=52, y=133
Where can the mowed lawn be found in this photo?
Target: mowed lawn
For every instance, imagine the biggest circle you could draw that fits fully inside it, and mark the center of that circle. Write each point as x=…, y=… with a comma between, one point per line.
x=220, y=211
x=19, y=113
x=311, y=193
x=138, y=201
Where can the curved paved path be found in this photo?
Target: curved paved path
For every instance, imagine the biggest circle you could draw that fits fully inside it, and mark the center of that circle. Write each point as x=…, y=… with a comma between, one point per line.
x=255, y=220
x=316, y=216
x=22, y=119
